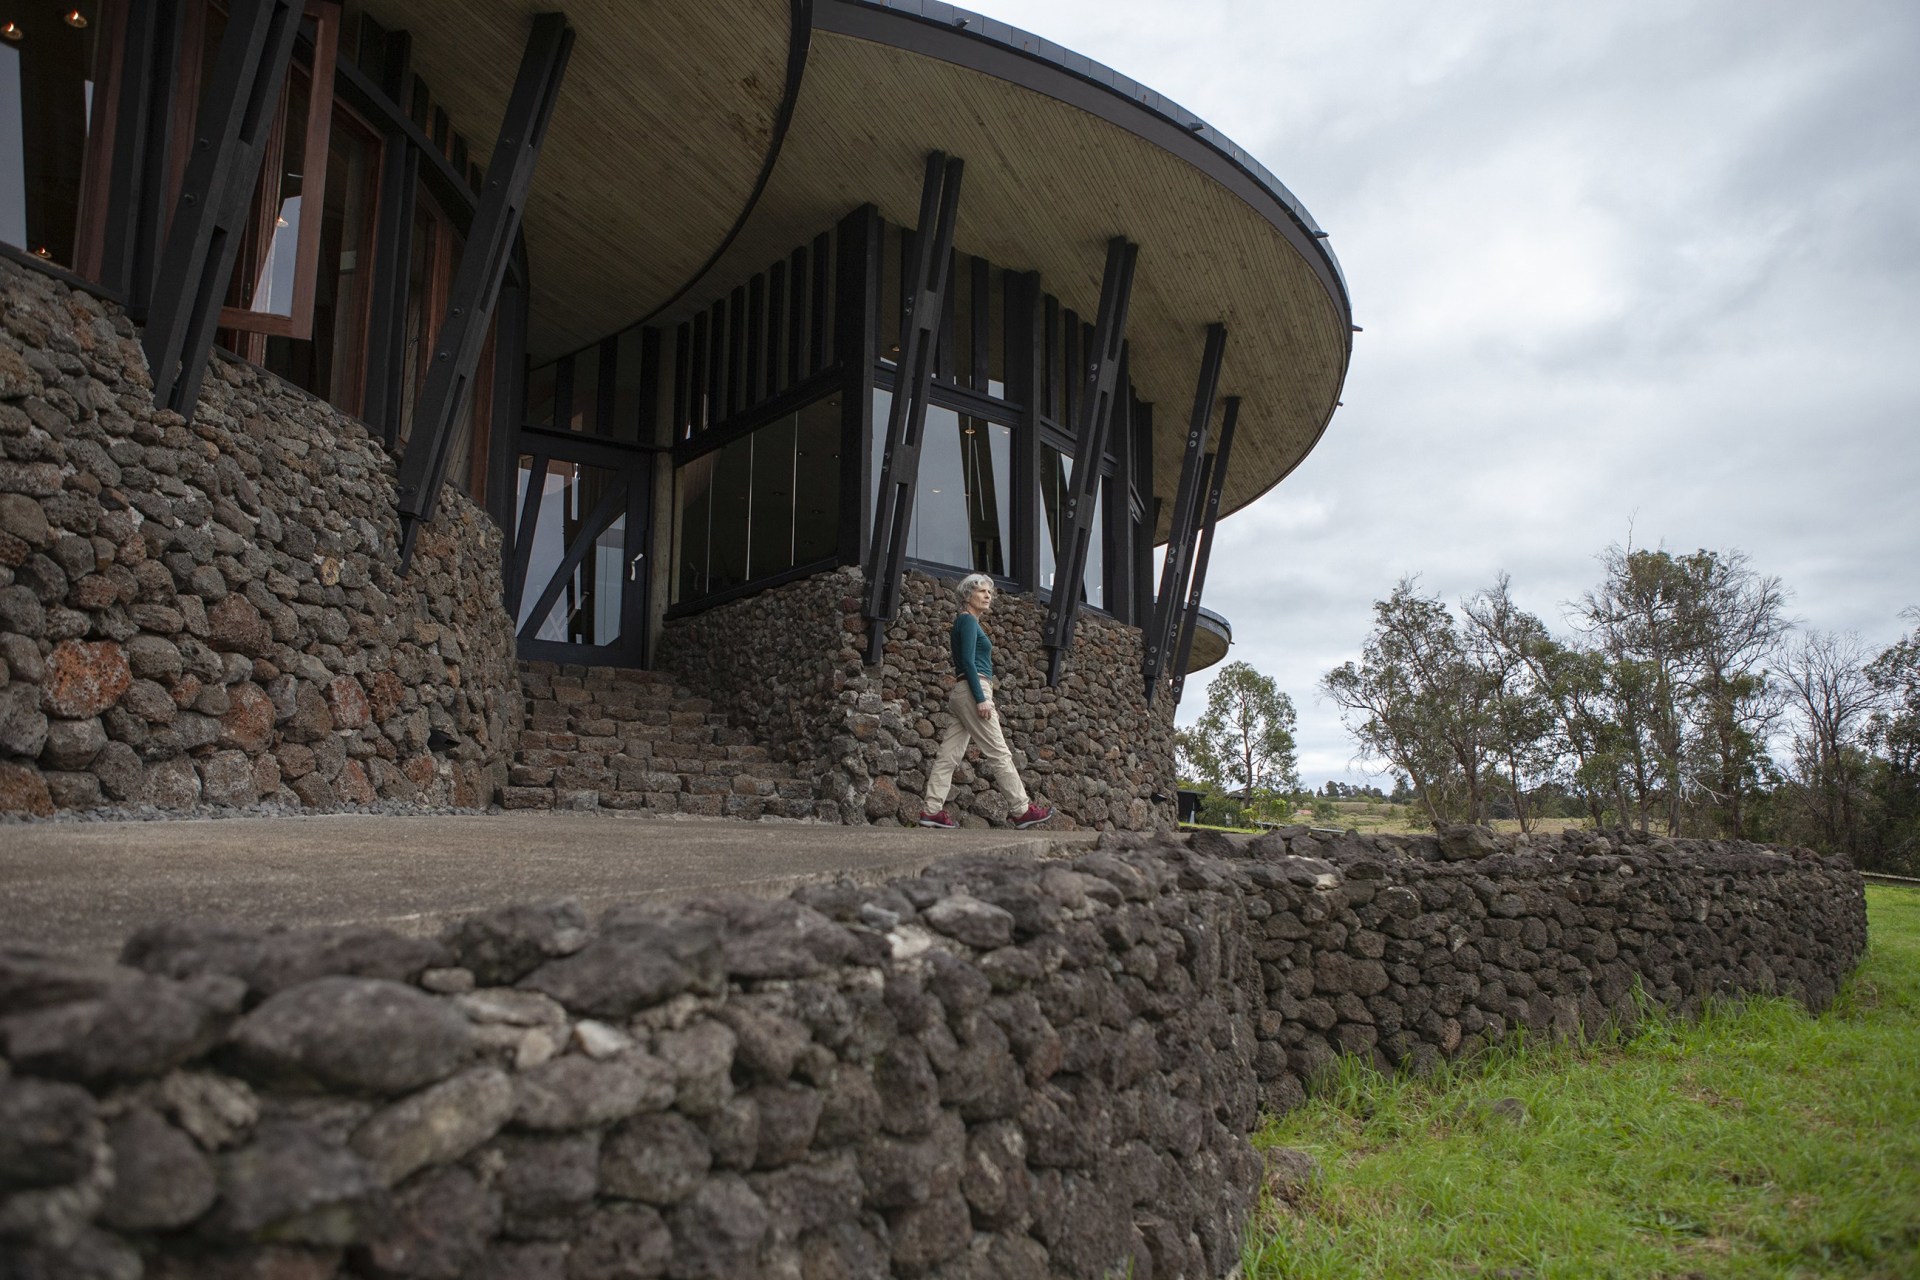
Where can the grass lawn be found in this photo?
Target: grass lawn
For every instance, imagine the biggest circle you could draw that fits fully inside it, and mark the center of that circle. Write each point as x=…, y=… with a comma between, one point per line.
x=1757, y=1142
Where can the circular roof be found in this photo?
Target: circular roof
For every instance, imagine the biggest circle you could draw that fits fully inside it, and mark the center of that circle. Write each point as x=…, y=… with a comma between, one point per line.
x=1063, y=154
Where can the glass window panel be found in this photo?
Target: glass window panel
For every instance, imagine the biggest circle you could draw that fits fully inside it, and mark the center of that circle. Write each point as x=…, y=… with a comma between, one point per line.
x=731, y=520
x=587, y=609
x=986, y=459
x=771, y=518
x=816, y=482
x=330, y=364
x=46, y=104
x=1056, y=478
x=584, y=413
x=263, y=278
x=540, y=385
x=626, y=387
x=962, y=501
x=693, y=491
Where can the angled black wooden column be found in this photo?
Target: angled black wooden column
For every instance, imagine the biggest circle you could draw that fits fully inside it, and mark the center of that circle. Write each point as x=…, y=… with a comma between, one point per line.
x=142, y=148
x=1099, y=379
x=1216, y=483
x=483, y=265
x=907, y=416
x=229, y=140
x=1179, y=559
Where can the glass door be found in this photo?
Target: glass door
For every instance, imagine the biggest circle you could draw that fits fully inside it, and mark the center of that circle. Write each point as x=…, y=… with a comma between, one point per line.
x=578, y=576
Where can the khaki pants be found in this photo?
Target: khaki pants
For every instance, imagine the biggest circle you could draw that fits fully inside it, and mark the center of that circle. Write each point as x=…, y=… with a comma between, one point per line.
x=967, y=728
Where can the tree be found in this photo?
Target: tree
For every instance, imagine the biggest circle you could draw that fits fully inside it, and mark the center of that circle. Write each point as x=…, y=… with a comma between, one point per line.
x=1416, y=699
x=1687, y=638
x=1245, y=736
x=1499, y=637
x=1895, y=732
x=1834, y=701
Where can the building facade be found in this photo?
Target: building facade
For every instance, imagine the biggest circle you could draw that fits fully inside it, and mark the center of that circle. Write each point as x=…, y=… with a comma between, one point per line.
x=750, y=319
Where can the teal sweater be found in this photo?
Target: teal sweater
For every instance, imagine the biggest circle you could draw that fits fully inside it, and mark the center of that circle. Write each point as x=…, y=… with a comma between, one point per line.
x=972, y=653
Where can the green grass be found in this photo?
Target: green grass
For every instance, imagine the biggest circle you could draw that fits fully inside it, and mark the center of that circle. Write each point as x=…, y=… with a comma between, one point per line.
x=1755, y=1142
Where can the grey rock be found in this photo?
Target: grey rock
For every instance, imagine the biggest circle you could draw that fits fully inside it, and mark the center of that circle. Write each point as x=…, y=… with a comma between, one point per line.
x=505, y=945
x=72, y=744
x=23, y=726
x=216, y=1110
x=160, y=1178
x=716, y=1230
x=48, y=1134
x=440, y=1124
x=358, y=1034
x=909, y=1092
x=657, y=1158
x=967, y=919
x=289, y=1185
x=575, y=1091
x=768, y=1043
x=789, y=1115
x=139, y=1026
x=439, y=1226
x=621, y=1242
x=546, y=1177
x=273, y=960
x=700, y=1056
x=642, y=961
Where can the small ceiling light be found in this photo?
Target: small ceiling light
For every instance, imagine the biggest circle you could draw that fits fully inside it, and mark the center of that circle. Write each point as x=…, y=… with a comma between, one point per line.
x=967, y=430
x=43, y=252
x=76, y=19
x=893, y=349
x=12, y=32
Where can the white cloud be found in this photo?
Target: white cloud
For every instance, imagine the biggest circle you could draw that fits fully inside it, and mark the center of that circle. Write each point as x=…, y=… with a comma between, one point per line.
x=1643, y=266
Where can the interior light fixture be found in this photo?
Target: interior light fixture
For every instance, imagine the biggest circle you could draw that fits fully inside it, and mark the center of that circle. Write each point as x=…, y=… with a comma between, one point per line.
x=12, y=32
x=43, y=252
x=76, y=19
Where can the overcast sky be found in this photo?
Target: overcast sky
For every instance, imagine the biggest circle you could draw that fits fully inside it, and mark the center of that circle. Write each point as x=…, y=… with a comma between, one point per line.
x=1646, y=269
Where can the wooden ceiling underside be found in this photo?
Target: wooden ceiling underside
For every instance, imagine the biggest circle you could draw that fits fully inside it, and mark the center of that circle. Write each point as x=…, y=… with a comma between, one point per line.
x=1046, y=186
x=660, y=131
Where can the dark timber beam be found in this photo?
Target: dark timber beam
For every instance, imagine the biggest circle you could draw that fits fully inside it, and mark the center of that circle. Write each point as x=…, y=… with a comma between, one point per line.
x=483, y=266
x=1178, y=564
x=907, y=416
x=229, y=141
x=1099, y=380
x=142, y=147
x=1216, y=483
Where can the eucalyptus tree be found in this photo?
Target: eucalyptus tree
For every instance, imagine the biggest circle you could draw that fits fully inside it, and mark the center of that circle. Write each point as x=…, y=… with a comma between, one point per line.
x=1245, y=736
x=1416, y=699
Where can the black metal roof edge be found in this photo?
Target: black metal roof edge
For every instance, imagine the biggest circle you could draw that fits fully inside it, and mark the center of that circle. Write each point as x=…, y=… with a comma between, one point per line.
x=980, y=27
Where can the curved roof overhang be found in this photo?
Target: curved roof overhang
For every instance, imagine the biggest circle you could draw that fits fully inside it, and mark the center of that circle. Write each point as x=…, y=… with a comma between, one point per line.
x=664, y=128
x=691, y=145
x=1211, y=640
x=1063, y=154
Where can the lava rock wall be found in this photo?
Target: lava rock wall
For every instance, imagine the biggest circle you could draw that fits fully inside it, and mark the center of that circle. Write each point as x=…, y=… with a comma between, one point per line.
x=787, y=664
x=1000, y=1069
x=212, y=614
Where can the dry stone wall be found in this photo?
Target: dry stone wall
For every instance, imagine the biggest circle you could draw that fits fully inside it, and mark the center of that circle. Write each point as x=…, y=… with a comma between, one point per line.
x=786, y=664
x=212, y=614
x=1000, y=1069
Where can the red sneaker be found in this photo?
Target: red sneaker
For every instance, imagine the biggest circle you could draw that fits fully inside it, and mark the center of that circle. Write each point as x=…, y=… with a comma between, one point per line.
x=943, y=820
x=1033, y=816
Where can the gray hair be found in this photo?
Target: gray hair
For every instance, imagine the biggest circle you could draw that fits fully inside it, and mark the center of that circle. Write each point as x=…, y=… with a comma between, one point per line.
x=969, y=584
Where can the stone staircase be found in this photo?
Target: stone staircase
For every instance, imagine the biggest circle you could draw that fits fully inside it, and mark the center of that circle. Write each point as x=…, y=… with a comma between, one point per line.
x=613, y=738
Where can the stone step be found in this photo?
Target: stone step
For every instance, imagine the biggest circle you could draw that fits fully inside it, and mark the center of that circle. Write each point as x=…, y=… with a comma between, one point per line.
x=612, y=738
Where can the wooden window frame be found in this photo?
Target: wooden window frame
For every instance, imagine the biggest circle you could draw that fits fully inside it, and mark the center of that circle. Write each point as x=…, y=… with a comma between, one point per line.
x=325, y=15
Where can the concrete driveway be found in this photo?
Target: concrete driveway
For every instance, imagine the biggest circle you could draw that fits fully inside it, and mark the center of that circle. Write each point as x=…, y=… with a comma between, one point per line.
x=82, y=887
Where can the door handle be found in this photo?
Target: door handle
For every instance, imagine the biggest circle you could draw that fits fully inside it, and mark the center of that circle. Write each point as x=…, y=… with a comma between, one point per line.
x=633, y=571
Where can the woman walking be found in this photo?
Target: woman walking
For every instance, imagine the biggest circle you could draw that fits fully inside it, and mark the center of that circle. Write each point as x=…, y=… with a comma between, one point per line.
x=974, y=719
